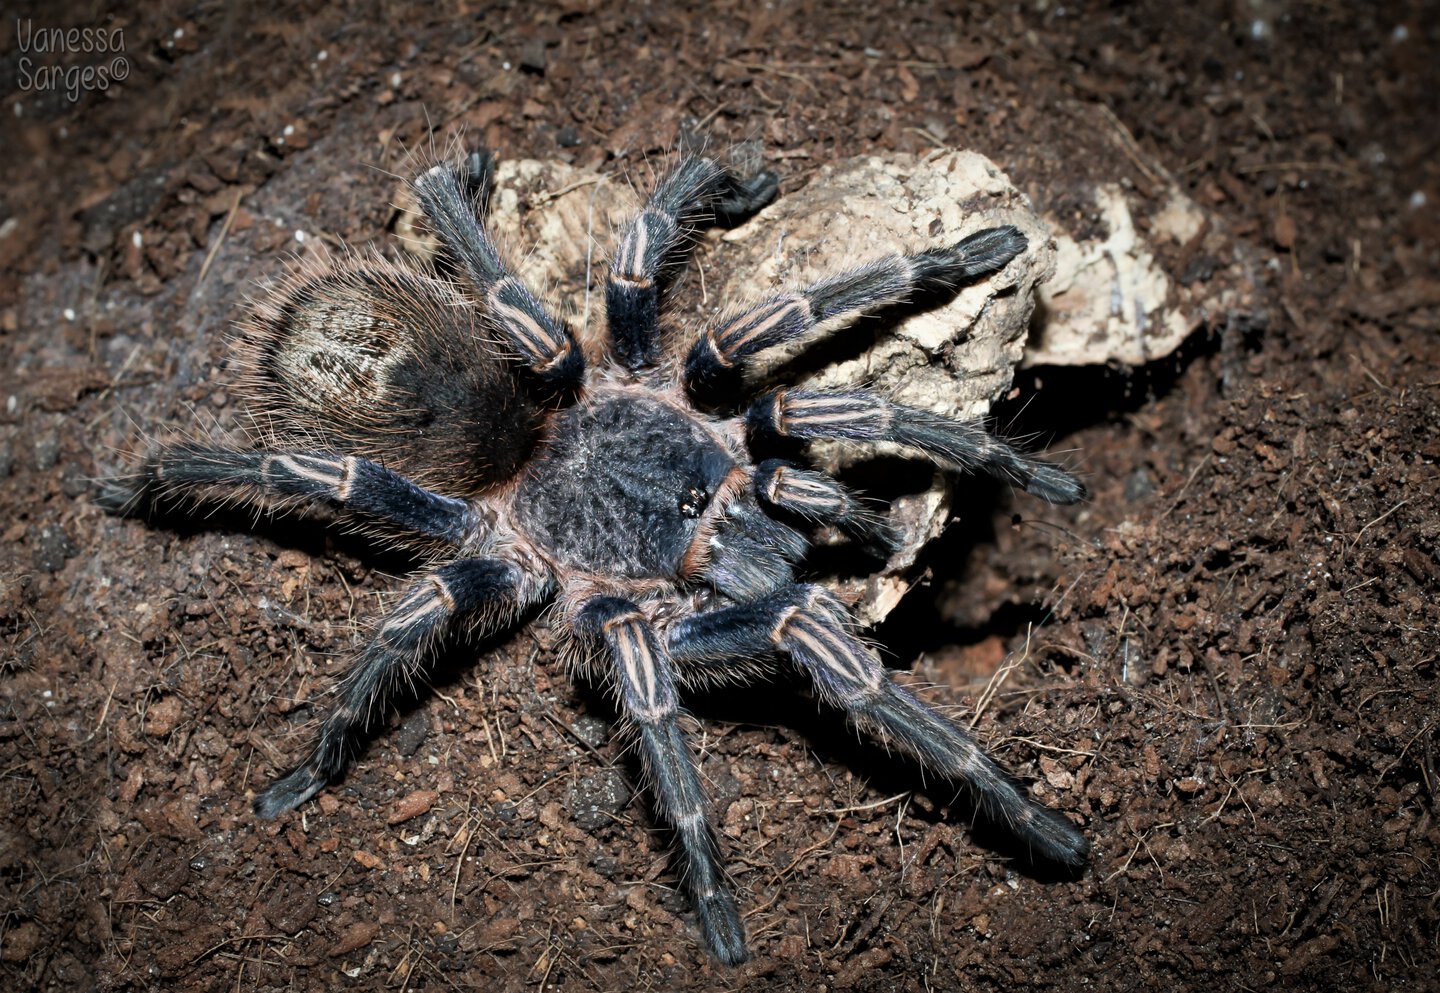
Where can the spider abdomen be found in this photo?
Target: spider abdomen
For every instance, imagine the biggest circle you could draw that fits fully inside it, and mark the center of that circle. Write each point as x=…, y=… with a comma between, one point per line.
x=373, y=359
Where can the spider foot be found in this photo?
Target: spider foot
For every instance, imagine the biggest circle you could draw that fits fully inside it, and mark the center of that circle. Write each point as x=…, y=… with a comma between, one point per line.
x=1053, y=484
x=125, y=496
x=289, y=792
x=721, y=928
x=744, y=197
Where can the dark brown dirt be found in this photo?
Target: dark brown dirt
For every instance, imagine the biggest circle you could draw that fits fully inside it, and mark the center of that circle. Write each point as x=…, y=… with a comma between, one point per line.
x=1224, y=664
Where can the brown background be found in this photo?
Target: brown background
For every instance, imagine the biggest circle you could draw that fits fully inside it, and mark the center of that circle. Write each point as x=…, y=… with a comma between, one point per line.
x=1226, y=658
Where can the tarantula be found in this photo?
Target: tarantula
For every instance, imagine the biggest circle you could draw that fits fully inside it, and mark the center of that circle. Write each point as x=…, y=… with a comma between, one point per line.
x=455, y=410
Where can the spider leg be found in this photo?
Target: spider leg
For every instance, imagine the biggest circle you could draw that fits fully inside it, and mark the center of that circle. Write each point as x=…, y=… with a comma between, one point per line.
x=839, y=300
x=861, y=415
x=478, y=177
x=819, y=499
x=400, y=650
x=318, y=477
x=695, y=191
x=542, y=340
x=642, y=675
x=812, y=627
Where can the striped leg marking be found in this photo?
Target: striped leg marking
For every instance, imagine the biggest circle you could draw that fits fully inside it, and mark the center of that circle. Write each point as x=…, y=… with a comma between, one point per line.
x=840, y=300
x=812, y=627
x=397, y=655
x=695, y=191
x=646, y=688
x=860, y=415
x=816, y=497
x=541, y=340
x=317, y=477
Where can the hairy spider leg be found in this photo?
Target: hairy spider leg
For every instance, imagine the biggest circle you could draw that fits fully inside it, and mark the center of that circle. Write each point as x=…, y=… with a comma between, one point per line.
x=861, y=415
x=385, y=497
x=695, y=191
x=715, y=361
x=486, y=592
x=542, y=340
x=815, y=497
x=478, y=177
x=641, y=671
x=813, y=628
